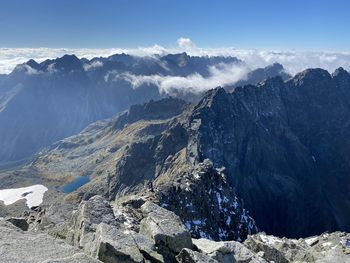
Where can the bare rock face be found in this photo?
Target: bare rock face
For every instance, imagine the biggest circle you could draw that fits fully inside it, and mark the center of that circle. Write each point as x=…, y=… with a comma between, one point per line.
x=19, y=222
x=189, y=256
x=23, y=246
x=162, y=237
x=326, y=248
x=165, y=228
x=95, y=229
x=112, y=245
x=205, y=202
x=85, y=220
x=285, y=149
x=227, y=251
x=76, y=258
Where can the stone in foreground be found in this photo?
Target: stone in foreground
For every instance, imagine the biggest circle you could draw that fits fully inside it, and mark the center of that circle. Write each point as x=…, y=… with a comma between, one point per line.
x=189, y=256
x=227, y=251
x=164, y=227
x=19, y=246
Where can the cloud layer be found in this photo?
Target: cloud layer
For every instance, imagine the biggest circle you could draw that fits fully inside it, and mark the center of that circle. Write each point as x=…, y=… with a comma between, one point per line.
x=293, y=61
x=219, y=75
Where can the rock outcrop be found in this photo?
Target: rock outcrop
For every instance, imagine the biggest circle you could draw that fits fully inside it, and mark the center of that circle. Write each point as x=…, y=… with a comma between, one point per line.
x=100, y=235
x=189, y=256
x=111, y=244
x=326, y=248
x=160, y=234
x=20, y=246
x=204, y=200
x=227, y=251
x=84, y=221
x=164, y=227
x=19, y=222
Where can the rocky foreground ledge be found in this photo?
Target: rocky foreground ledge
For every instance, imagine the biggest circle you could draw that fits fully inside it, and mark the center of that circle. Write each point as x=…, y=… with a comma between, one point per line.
x=139, y=230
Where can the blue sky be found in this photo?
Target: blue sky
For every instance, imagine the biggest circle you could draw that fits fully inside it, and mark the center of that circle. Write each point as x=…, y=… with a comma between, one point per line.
x=262, y=24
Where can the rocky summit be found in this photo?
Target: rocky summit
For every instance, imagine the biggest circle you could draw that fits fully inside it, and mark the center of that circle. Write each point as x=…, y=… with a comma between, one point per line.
x=96, y=233
x=257, y=174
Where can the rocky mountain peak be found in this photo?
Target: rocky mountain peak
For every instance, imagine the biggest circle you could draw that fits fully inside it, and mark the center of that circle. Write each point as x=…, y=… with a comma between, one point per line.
x=33, y=64
x=180, y=59
x=275, y=66
x=214, y=97
x=340, y=71
x=341, y=76
x=68, y=63
x=312, y=76
x=261, y=74
x=123, y=58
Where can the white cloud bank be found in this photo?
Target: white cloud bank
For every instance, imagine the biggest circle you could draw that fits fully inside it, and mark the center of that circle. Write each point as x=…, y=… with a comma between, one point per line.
x=219, y=75
x=293, y=61
x=32, y=194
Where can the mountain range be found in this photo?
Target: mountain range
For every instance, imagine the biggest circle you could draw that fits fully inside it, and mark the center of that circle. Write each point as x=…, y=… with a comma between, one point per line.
x=178, y=178
x=282, y=145
x=41, y=103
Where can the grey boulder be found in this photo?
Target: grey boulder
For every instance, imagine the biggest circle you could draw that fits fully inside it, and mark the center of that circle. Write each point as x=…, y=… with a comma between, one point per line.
x=227, y=251
x=325, y=248
x=22, y=246
x=84, y=221
x=164, y=227
x=189, y=256
x=112, y=244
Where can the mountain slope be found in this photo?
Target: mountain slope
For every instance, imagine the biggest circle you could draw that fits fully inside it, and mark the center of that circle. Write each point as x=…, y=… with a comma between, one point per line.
x=281, y=147
x=41, y=103
x=285, y=149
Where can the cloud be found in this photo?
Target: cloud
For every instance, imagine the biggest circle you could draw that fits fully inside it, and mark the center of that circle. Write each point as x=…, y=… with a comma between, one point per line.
x=29, y=70
x=11, y=57
x=219, y=75
x=293, y=61
x=93, y=65
x=186, y=43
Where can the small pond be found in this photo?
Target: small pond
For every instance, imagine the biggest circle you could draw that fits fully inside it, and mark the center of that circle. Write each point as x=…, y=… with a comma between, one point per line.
x=74, y=185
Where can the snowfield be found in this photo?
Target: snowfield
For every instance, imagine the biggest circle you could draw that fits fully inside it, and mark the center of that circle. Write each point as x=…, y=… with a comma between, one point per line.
x=33, y=194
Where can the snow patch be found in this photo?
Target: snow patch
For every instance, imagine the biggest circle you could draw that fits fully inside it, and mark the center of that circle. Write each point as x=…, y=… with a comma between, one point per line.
x=32, y=194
